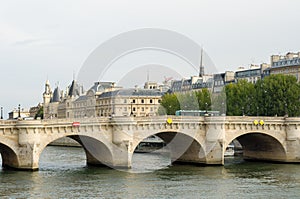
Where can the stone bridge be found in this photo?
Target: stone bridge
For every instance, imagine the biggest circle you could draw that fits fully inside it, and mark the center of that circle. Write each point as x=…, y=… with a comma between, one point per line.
x=112, y=141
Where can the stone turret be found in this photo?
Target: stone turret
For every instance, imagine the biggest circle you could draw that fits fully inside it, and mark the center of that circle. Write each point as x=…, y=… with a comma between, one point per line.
x=47, y=93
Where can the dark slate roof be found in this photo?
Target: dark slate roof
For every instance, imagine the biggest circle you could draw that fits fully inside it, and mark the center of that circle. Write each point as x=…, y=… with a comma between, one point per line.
x=132, y=92
x=56, y=95
x=74, y=89
x=81, y=98
x=101, y=86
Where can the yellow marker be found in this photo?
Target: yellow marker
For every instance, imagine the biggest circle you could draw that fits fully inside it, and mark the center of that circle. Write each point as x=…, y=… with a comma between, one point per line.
x=261, y=122
x=169, y=120
x=255, y=122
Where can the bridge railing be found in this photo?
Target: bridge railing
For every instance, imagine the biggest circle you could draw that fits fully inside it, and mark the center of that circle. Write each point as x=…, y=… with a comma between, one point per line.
x=8, y=122
x=80, y=120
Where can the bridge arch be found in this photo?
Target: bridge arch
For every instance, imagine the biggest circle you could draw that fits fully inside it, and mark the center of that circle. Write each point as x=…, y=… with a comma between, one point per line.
x=8, y=153
x=97, y=149
x=260, y=145
x=184, y=147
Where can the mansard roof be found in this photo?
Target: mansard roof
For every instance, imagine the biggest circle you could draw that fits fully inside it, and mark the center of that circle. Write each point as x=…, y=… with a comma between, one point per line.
x=101, y=86
x=131, y=92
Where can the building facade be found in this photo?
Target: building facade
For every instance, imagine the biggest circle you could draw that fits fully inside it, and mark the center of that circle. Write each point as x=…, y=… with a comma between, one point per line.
x=86, y=105
x=252, y=74
x=15, y=114
x=102, y=99
x=222, y=79
x=288, y=64
x=129, y=102
x=193, y=83
x=59, y=104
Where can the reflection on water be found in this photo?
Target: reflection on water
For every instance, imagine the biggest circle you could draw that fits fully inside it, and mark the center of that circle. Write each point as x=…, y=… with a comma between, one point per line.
x=63, y=174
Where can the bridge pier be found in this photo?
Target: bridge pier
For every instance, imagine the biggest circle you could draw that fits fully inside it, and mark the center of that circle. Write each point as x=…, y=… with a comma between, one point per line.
x=214, y=143
x=28, y=158
x=119, y=158
x=29, y=135
x=292, y=140
x=214, y=153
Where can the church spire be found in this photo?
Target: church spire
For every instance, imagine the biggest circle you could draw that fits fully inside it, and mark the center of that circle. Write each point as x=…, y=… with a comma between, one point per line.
x=201, y=71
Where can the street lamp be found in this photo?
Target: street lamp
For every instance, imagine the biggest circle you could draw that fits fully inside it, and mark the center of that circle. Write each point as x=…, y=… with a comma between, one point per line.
x=257, y=110
x=19, y=111
x=243, y=110
x=206, y=106
x=1, y=113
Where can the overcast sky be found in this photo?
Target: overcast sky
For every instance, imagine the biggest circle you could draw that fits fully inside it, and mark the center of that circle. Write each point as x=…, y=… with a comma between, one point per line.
x=40, y=39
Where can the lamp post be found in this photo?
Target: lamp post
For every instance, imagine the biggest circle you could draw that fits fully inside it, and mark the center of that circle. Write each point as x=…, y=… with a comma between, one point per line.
x=1, y=113
x=257, y=110
x=19, y=111
x=206, y=106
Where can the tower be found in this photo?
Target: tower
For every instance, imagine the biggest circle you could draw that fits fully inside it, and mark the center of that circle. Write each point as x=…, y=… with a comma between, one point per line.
x=201, y=72
x=47, y=93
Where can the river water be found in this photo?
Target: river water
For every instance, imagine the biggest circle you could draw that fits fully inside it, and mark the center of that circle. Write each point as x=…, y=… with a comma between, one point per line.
x=63, y=174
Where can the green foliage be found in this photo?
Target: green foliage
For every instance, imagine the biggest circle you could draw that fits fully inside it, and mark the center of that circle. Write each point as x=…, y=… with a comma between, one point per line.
x=274, y=95
x=40, y=113
x=240, y=98
x=168, y=105
x=196, y=100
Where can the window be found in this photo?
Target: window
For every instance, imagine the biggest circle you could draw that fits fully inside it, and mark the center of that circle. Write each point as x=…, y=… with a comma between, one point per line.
x=159, y=101
x=133, y=101
x=133, y=108
x=125, y=101
x=143, y=109
x=151, y=101
x=142, y=101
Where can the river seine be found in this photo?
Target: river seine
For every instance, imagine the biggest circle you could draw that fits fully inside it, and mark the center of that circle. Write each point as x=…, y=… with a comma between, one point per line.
x=63, y=174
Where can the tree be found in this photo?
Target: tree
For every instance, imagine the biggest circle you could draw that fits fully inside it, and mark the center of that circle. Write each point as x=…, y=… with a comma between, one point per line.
x=279, y=95
x=40, y=113
x=194, y=100
x=169, y=104
x=274, y=95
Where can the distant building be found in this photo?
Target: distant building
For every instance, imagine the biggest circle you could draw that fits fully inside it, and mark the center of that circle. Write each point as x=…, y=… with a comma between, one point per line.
x=129, y=102
x=34, y=110
x=59, y=104
x=15, y=114
x=193, y=83
x=253, y=74
x=222, y=79
x=288, y=64
x=102, y=99
x=86, y=105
